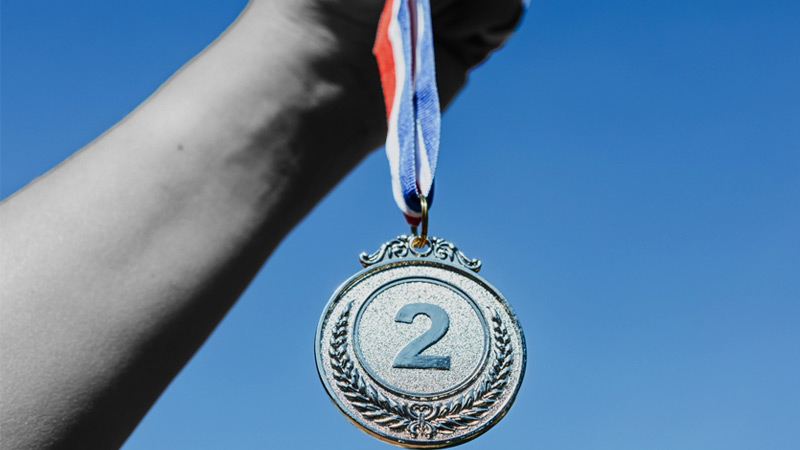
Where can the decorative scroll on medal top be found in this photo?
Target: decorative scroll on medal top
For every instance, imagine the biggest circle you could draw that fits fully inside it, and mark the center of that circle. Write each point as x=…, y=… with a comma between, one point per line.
x=417, y=349
x=401, y=247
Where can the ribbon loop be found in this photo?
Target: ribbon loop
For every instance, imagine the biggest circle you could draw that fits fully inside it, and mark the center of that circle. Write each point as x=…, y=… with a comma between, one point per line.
x=404, y=51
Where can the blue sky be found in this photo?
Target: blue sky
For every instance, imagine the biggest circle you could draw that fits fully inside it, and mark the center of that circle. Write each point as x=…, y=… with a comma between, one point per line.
x=628, y=171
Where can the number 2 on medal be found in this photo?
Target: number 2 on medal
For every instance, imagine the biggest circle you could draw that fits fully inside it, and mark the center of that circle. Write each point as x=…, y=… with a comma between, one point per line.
x=409, y=357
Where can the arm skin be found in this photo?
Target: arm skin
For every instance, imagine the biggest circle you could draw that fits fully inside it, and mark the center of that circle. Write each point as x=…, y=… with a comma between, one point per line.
x=119, y=263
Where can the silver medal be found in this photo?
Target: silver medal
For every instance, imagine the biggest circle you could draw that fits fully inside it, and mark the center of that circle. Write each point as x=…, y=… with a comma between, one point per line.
x=419, y=350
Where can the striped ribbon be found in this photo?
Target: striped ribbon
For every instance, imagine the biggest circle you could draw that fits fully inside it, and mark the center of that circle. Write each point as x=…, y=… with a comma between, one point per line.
x=404, y=50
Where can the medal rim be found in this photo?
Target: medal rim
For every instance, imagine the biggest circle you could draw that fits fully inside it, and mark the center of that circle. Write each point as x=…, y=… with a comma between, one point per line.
x=415, y=261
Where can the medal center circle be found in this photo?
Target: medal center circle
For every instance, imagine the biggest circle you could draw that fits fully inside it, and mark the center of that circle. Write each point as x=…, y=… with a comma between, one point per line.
x=420, y=337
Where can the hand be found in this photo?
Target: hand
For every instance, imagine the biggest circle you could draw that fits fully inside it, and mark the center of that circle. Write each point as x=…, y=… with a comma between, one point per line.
x=465, y=31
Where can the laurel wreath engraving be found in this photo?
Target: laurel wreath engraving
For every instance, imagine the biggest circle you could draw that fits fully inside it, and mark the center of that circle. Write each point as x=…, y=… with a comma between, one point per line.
x=401, y=247
x=421, y=419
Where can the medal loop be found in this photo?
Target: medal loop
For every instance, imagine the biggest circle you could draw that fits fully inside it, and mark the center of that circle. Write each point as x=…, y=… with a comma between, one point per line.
x=421, y=240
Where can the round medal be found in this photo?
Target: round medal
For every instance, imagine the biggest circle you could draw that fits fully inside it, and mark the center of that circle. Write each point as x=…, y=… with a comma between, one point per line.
x=419, y=350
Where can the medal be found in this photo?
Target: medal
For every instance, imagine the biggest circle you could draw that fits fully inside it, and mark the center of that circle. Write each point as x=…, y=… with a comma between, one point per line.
x=417, y=349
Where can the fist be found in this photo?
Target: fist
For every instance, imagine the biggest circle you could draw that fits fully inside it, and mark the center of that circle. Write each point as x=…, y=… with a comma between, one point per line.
x=465, y=31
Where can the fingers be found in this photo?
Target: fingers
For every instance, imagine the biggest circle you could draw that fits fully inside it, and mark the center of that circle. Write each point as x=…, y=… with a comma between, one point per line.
x=439, y=5
x=472, y=29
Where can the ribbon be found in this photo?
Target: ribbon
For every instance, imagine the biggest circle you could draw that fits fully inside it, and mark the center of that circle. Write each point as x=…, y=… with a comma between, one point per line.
x=404, y=51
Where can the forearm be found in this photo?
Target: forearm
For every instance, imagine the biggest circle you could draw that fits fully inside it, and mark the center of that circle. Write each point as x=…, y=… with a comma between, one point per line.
x=126, y=256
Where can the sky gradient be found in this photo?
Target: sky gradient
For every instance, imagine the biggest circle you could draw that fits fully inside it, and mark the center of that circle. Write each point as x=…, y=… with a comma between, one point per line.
x=628, y=172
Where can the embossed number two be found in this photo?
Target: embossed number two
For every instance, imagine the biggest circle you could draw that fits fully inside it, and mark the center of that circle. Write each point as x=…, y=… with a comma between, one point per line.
x=409, y=357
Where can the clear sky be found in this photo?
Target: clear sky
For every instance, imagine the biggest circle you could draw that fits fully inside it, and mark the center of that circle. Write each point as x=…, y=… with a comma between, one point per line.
x=628, y=171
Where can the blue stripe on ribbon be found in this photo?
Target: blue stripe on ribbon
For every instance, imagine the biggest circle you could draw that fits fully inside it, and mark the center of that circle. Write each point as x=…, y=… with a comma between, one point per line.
x=419, y=112
x=406, y=129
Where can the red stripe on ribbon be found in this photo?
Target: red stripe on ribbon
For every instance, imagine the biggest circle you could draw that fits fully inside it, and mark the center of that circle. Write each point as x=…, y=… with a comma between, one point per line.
x=385, y=57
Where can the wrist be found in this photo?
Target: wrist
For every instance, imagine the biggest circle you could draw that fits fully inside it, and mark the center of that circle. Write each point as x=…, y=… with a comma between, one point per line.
x=329, y=54
x=273, y=114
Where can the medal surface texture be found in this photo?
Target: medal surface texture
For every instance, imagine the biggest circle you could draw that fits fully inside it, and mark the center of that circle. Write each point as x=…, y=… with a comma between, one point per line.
x=417, y=349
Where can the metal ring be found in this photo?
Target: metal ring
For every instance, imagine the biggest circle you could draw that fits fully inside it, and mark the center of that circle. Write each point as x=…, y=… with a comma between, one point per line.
x=421, y=240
